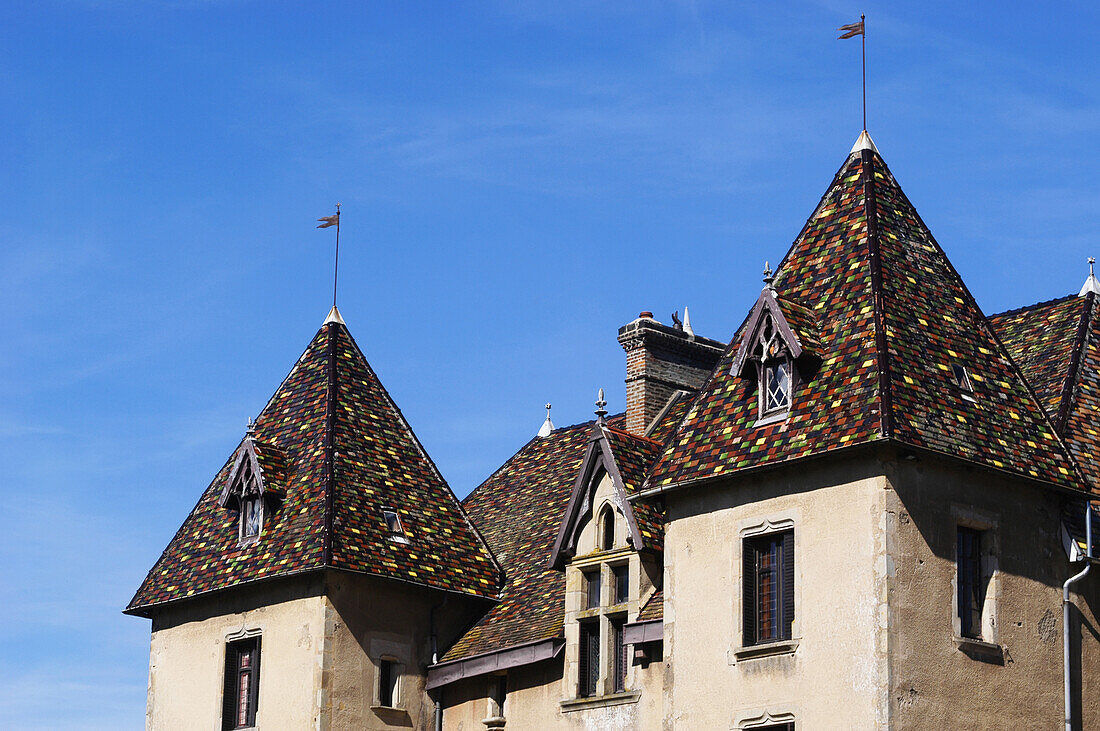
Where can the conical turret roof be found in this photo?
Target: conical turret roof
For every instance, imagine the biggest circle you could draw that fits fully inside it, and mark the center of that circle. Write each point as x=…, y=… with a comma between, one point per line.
x=895, y=324
x=345, y=456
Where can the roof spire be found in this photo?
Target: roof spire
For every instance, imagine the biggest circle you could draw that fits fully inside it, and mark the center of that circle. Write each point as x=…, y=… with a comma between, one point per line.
x=863, y=142
x=250, y=430
x=1091, y=284
x=601, y=412
x=687, y=323
x=547, y=426
x=334, y=316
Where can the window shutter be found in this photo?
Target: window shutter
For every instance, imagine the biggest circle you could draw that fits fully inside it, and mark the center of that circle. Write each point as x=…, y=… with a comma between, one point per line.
x=788, y=585
x=229, y=688
x=748, y=593
x=254, y=701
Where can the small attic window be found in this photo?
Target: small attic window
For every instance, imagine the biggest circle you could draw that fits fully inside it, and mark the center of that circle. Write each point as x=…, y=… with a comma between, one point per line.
x=395, y=526
x=962, y=380
x=776, y=388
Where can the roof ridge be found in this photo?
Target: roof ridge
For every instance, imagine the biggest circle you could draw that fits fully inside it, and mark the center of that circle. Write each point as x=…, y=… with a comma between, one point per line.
x=632, y=435
x=1079, y=342
x=1036, y=305
x=332, y=383
x=427, y=457
x=990, y=331
x=874, y=260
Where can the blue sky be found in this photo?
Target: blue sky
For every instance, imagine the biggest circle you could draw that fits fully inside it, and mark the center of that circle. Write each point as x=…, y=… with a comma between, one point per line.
x=519, y=179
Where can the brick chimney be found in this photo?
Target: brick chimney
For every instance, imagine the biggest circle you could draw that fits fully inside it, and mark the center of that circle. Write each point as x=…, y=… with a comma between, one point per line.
x=661, y=360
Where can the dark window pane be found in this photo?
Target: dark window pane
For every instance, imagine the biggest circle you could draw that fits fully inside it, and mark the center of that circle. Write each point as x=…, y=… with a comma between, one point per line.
x=387, y=682
x=589, y=665
x=607, y=530
x=971, y=598
x=768, y=590
x=592, y=588
x=622, y=583
x=619, y=650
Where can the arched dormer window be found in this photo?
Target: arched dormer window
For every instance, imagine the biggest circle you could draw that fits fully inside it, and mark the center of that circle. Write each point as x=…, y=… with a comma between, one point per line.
x=774, y=372
x=606, y=528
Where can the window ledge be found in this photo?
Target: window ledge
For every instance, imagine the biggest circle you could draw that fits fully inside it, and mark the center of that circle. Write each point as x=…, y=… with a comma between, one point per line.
x=772, y=419
x=768, y=649
x=386, y=709
x=980, y=650
x=600, y=701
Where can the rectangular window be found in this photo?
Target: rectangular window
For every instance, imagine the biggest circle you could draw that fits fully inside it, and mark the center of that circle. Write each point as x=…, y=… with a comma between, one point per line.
x=971, y=582
x=622, y=583
x=777, y=388
x=589, y=659
x=592, y=586
x=241, y=684
x=768, y=587
x=387, y=683
x=618, y=650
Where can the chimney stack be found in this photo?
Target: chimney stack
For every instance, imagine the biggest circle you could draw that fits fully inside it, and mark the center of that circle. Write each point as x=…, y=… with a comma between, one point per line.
x=661, y=360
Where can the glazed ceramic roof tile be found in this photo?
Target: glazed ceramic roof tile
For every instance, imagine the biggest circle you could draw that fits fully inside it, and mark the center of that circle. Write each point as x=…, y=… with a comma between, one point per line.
x=1057, y=346
x=633, y=456
x=895, y=319
x=518, y=510
x=376, y=463
x=654, y=609
x=1040, y=338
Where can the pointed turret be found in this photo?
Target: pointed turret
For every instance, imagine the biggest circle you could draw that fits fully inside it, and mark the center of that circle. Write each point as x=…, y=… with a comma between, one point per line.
x=906, y=354
x=350, y=470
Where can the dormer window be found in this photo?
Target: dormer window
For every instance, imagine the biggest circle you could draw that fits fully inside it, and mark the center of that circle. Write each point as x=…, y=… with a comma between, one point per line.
x=395, y=526
x=776, y=391
x=252, y=518
x=779, y=350
x=962, y=380
x=254, y=488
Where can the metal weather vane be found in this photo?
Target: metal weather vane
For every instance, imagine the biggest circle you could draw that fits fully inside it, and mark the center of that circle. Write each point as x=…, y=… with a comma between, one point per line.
x=851, y=31
x=333, y=220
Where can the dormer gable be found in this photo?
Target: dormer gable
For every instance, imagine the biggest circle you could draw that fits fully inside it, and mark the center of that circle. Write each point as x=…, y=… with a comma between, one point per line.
x=610, y=516
x=254, y=488
x=779, y=348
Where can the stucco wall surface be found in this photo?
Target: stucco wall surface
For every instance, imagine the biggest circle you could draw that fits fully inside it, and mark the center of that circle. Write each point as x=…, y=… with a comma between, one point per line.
x=370, y=619
x=934, y=683
x=187, y=656
x=836, y=677
x=534, y=702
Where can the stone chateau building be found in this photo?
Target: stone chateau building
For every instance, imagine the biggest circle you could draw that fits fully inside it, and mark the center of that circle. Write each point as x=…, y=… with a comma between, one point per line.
x=857, y=513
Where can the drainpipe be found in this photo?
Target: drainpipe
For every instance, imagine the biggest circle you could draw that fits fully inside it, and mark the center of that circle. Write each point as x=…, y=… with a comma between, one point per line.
x=1066, y=604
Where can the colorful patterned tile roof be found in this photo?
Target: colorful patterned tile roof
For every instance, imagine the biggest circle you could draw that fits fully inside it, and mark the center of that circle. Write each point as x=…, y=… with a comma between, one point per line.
x=1040, y=338
x=633, y=456
x=518, y=510
x=894, y=318
x=1057, y=346
x=376, y=463
x=654, y=609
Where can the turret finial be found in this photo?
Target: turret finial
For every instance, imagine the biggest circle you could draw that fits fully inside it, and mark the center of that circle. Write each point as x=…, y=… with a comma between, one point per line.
x=768, y=278
x=601, y=412
x=547, y=426
x=1091, y=284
